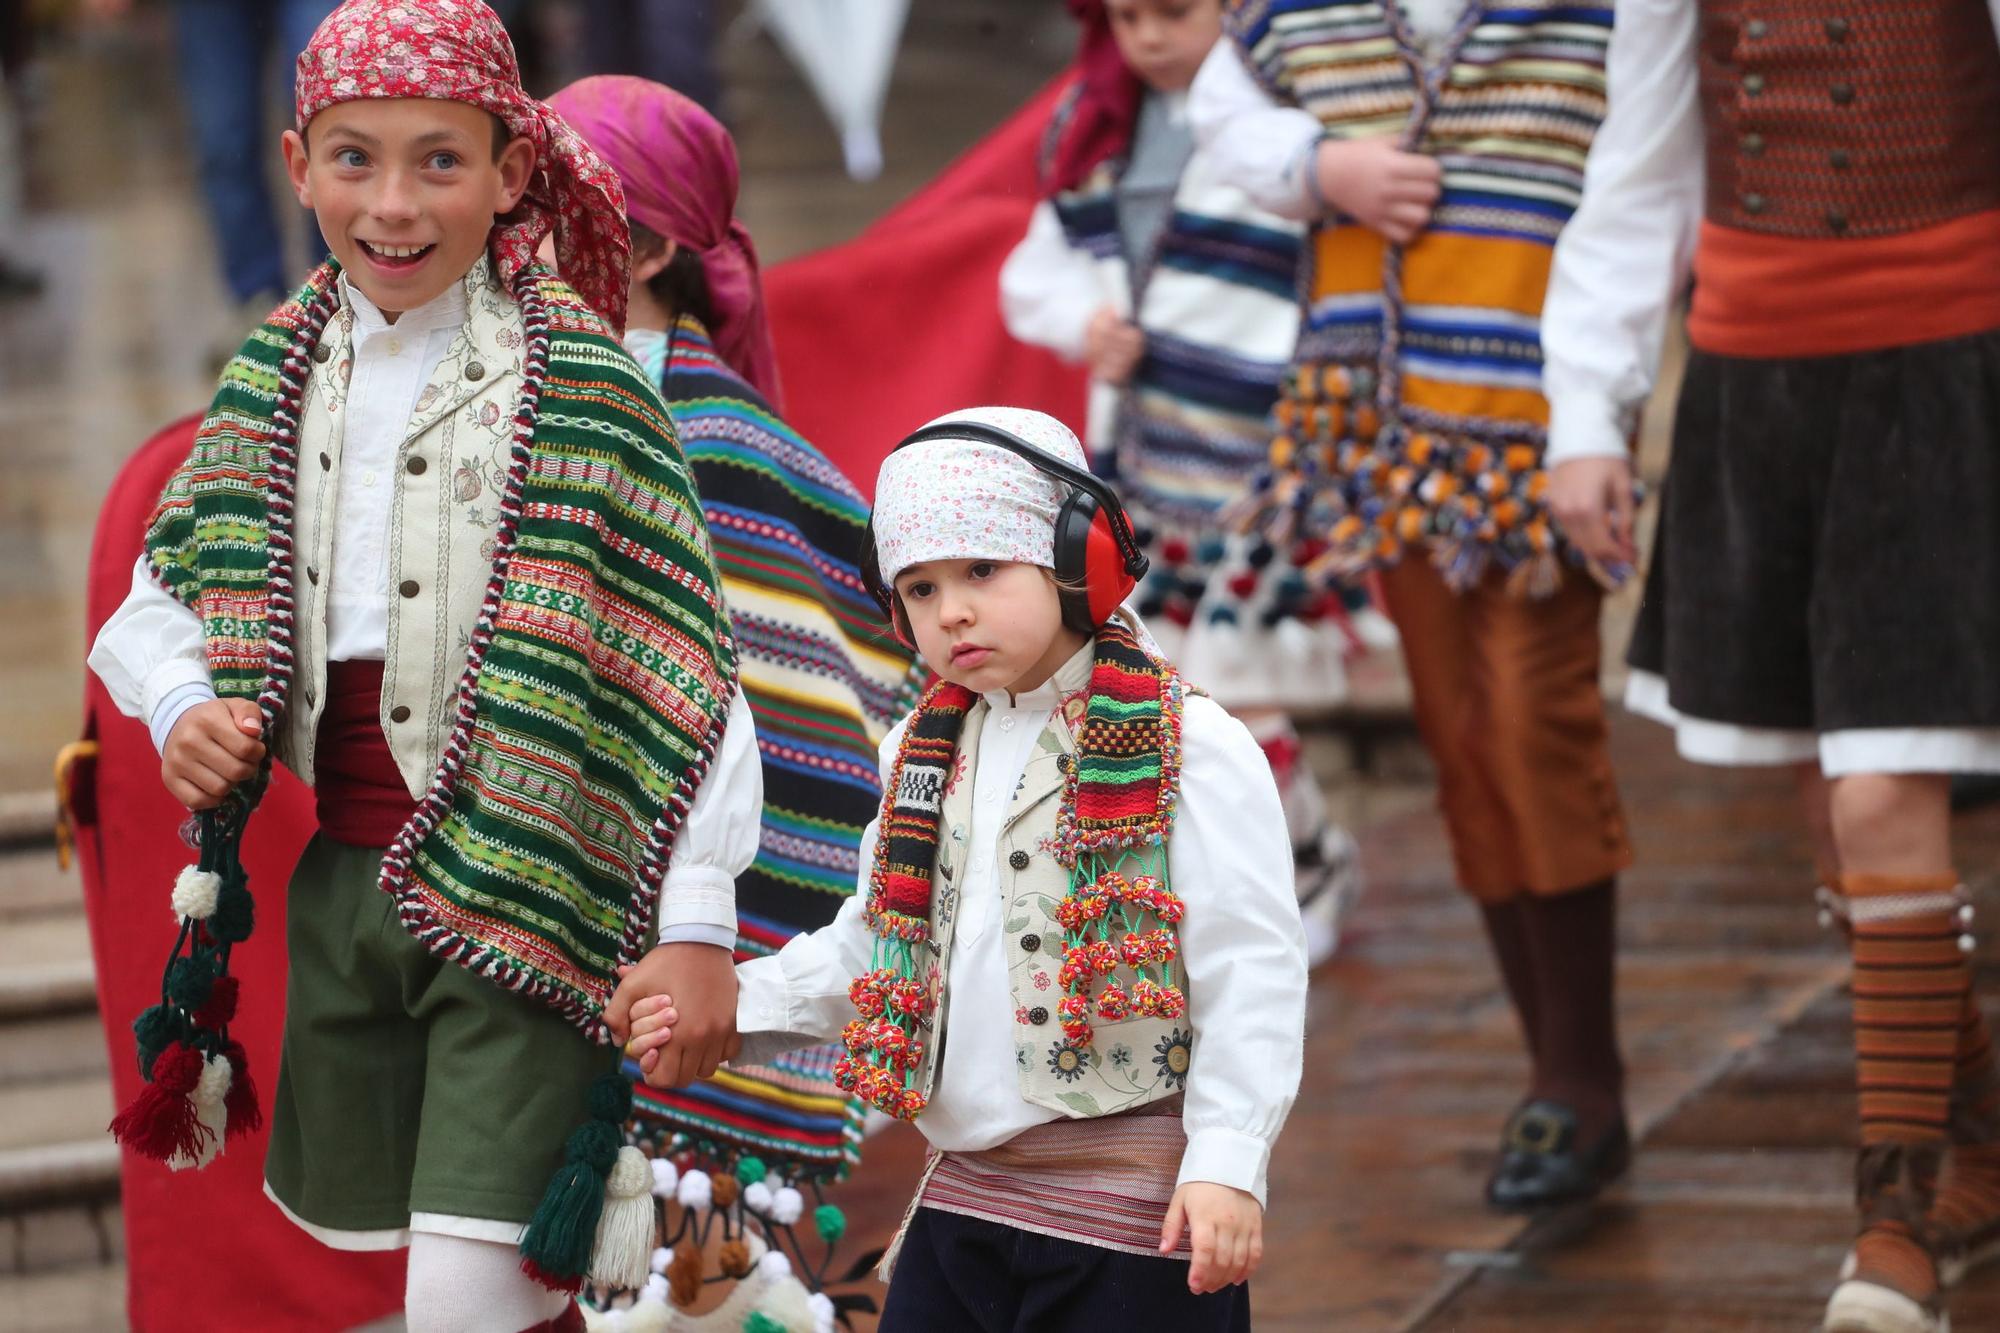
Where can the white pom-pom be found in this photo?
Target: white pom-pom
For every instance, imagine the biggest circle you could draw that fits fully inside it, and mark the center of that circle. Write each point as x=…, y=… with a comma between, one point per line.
x=625, y=1227
x=650, y=1317
x=195, y=892
x=757, y=1197
x=210, y=1093
x=661, y=1258
x=787, y=1206
x=823, y=1312
x=695, y=1191
x=656, y=1292
x=614, y=1321
x=785, y=1303
x=665, y=1178
x=774, y=1266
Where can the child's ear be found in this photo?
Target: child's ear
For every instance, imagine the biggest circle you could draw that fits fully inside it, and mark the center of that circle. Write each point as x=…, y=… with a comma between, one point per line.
x=517, y=167
x=645, y=270
x=295, y=167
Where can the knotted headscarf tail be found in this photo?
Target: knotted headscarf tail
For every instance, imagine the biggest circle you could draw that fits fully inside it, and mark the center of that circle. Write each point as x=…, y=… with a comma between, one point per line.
x=458, y=51
x=678, y=166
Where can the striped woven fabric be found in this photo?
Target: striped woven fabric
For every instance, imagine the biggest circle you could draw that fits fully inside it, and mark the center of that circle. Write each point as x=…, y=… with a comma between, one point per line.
x=1104, y=1182
x=824, y=678
x=1439, y=340
x=599, y=671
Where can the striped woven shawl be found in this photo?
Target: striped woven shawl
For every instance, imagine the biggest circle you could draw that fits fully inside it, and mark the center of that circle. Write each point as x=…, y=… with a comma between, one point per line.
x=599, y=672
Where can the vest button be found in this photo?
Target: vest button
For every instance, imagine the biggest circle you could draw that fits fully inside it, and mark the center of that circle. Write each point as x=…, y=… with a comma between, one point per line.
x=1753, y=144
x=1841, y=93
x=408, y=587
x=1038, y=1016
x=1031, y=944
x=1019, y=860
x=474, y=371
x=322, y=354
x=1753, y=203
x=1753, y=84
x=400, y=713
x=325, y=462
x=1836, y=30
x=312, y=576
x=1757, y=28
x=416, y=465
x=1836, y=219
x=1840, y=159
x=1064, y=763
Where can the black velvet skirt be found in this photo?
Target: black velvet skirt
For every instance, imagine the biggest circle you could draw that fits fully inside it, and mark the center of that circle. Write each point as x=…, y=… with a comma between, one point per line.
x=1829, y=541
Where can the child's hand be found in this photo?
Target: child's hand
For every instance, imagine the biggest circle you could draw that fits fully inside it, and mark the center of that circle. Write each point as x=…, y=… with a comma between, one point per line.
x=698, y=981
x=1112, y=345
x=213, y=746
x=652, y=1020
x=1379, y=185
x=1227, y=1229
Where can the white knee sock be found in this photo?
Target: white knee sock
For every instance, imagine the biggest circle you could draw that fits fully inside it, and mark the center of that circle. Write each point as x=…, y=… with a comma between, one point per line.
x=472, y=1286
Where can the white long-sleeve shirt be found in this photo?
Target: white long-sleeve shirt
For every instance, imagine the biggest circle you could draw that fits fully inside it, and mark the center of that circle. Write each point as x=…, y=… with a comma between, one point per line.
x=1241, y=947
x=151, y=654
x=1623, y=260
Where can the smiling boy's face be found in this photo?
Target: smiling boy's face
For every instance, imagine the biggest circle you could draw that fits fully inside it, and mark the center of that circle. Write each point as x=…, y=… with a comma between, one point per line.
x=406, y=191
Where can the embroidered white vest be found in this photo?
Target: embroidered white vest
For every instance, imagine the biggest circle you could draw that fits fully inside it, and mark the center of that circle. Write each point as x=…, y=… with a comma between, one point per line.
x=1128, y=1063
x=448, y=476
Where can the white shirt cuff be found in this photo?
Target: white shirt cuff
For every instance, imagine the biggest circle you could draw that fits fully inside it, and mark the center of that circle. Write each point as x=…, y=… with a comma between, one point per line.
x=1586, y=424
x=695, y=933
x=176, y=700
x=1227, y=1157
x=703, y=896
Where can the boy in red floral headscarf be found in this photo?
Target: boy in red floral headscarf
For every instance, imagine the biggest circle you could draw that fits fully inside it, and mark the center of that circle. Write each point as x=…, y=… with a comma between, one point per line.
x=436, y=548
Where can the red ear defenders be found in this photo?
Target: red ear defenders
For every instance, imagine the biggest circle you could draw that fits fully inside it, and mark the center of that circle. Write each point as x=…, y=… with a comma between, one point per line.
x=1097, y=559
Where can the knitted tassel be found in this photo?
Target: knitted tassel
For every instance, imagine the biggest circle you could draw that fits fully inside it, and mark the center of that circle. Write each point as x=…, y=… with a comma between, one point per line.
x=244, y=1117
x=210, y=1098
x=162, y=1120
x=625, y=1226
x=556, y=1247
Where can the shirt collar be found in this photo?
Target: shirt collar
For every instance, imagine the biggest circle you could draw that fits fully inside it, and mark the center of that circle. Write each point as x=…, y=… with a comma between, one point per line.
x=1071, y=676
x=446, y=310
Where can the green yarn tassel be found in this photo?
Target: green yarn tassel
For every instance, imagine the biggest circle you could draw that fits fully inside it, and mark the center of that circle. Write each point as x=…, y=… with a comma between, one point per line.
x=555, y=1248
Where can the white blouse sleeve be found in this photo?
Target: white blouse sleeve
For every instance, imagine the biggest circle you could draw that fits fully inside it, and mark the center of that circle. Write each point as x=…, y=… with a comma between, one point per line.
x=1048, y=288
x=1256, y=144
x=1242, y=951
x=152, y=656
x=1623, y=259
x=798, y=996
x=717, y=841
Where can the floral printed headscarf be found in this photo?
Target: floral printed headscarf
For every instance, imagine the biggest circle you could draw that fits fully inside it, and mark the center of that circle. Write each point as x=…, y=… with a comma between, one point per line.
x=458, y=51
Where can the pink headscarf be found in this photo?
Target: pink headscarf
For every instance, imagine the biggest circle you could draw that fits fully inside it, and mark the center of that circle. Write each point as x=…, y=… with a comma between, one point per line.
x=679, y=169
x=457, y=51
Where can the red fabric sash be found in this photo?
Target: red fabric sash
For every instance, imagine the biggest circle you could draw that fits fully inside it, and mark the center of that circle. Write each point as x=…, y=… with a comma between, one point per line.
x=357, y=789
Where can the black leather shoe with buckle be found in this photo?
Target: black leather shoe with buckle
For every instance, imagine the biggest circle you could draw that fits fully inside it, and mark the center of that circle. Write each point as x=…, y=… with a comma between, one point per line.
x=1542, y=1165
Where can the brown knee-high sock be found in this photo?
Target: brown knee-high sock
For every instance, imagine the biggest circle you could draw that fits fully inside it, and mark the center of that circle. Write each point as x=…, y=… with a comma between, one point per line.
x=1507, y=930
x=1910, y=984
x=1968, y=1199
x=1574, y=938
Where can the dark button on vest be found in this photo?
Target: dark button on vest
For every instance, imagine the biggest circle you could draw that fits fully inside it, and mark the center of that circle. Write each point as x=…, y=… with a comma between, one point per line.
x=325, y=462
x=1031, y=944
x=400, y=713
x=416, y=465
x=1019, y=860
x=474, y=371
x=1836, y=219
x=1840, y=159
x=1038, y=1015
x=312, y=576
x=322, y=354
x=408, y=587
x=1842, y=94
x=1836, y=30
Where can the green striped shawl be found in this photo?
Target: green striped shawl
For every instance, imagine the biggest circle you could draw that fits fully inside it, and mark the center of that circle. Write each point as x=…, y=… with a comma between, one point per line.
x=599, y=672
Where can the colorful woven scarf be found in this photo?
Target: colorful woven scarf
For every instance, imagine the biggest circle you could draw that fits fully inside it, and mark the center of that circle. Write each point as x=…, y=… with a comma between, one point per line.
x=1111, y=833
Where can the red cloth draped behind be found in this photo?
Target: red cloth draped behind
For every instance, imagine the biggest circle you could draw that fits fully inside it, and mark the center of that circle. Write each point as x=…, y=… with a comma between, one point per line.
x=874, y=338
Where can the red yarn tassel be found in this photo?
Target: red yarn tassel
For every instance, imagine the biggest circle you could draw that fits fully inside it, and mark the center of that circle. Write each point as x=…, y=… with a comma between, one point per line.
x=221, y=1006
x=161, y=1121
x=241, y=1104
x=570, y=1282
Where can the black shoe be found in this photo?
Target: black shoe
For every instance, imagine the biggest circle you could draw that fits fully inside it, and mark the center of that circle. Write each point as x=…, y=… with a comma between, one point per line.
x=1542, y=1166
